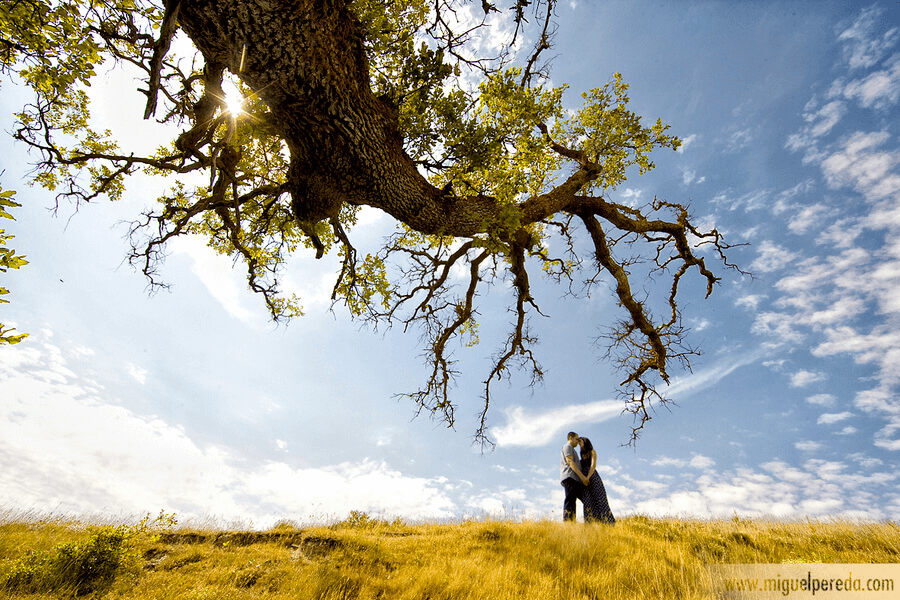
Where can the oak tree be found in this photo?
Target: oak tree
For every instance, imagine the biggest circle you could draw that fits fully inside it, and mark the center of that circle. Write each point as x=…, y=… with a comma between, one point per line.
x=384, y=104
x=8, y=260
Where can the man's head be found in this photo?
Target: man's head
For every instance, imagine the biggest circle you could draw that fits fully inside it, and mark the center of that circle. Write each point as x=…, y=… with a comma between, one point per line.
x=573, y=438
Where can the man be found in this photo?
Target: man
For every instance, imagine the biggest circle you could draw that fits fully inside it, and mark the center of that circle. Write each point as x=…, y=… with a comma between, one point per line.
x=573, y=480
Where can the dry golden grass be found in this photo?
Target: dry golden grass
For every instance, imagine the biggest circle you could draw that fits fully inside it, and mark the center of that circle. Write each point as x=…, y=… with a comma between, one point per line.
x=639, y=557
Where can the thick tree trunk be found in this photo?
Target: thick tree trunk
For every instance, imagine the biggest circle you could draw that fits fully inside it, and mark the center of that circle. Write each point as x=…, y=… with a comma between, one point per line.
x=306, y=60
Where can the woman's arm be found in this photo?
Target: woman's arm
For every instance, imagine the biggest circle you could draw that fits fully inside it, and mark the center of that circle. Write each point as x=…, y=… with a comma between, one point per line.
x=593, y=464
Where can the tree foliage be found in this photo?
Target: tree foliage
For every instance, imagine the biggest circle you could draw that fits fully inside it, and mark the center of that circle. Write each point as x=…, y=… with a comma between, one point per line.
x=386, y=104
x=8, y=260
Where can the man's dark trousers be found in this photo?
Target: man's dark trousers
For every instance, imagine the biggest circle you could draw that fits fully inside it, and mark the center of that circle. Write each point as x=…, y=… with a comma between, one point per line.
x=574, y=491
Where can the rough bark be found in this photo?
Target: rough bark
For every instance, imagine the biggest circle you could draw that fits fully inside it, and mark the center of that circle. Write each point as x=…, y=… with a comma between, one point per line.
x=305, y=59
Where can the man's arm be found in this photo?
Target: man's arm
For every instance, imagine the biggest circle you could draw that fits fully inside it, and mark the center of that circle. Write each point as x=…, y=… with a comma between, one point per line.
x=574, y=466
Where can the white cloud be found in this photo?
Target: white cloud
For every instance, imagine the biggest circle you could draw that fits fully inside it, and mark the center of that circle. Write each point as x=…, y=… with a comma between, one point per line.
x=863, y=47
x=807, y=217
x=884, y=402
x=631, y=197
x=781, y=491
x=680, y=503
x=223, y=281
x=830, y=295
x=829, y=418
x=698, y=461
x=539, y=429
x=888, y=444
x=861, y=165
x=880, y=398
x=822, y=399
x=842, y=310
x=366, y=485
x=808, y=276
x=701, y=324
x=739, y=140
x=864, y=461
x=65, y=449
x=821, y=122
x=701, y=379
x=785, y=199
x=824, y=120
x=878, y=90
x=751, y=301
x=804, y=378
x=689, y=176
x=137, y=373
x=778, y=326
x=771, y=257
x=807, y=446
x=841, y=233
x=512, y=503
x=523, y=428
x=687, y=141
x=754, y=200
x=881, y=347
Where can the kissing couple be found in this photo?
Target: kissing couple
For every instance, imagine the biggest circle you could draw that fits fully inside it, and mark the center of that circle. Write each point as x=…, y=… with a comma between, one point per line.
x=582, y=482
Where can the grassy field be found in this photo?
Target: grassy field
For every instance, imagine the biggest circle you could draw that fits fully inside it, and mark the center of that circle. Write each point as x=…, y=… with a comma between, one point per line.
x=639, y=557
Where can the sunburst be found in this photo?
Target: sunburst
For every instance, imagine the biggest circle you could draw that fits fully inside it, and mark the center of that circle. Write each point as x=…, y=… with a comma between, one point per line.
x=234, y=99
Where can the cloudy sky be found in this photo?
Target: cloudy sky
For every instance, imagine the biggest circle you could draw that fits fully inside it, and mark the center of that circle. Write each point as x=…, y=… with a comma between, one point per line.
x=189, y=400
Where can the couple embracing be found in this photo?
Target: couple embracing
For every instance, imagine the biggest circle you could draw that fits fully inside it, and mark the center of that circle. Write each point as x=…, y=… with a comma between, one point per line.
x=582, y=482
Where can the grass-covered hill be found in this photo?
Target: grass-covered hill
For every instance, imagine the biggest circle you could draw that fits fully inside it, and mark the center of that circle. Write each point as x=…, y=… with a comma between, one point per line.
x=364, y=558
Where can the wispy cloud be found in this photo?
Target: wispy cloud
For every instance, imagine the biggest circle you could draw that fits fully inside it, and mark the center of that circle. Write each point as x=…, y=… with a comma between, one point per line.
x=807, y=217
x=864, y=47
x=539, y=428
x=821, y=122
x=525, y=428
x=687, y=142
x=224, y=282
x=687, y=385
x=772, y=257
x=697, y=461
x=847, y=302
x=860, y=163
x=754, y=200
x=689, y=176
x=878, y=90
x=738, y=140
x=750, y=301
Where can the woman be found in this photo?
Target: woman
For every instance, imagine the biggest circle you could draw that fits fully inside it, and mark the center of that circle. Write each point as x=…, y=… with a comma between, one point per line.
x=596, y=507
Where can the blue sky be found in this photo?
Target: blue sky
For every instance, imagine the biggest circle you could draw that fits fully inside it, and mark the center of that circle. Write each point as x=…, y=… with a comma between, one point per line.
x=189, y=400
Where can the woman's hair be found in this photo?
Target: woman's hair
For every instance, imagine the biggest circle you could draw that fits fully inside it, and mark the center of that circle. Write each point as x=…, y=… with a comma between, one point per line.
x=587, y=448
